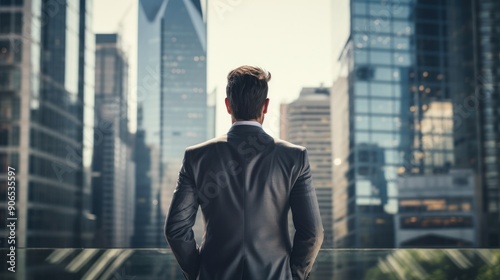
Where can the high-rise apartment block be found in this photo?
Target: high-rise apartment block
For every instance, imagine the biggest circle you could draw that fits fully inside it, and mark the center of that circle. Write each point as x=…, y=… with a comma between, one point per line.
x=306, y=122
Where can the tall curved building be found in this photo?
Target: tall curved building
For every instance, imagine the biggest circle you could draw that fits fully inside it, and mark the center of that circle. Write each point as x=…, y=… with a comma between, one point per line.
x=172, y=105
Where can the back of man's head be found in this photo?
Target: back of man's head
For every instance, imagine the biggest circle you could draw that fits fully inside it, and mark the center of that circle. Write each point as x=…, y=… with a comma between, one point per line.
x=247, y=91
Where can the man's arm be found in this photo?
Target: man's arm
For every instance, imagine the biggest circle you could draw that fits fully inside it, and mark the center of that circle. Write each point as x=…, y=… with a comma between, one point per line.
x=180, y=220
x=307, y=221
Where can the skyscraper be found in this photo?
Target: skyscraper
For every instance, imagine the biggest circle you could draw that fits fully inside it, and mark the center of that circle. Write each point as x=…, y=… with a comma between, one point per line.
x=474, y=81
x=172, y=105
x=306, y=122
x=113, y=183
x=47, y=114
x=394, y=68
x=398, y=106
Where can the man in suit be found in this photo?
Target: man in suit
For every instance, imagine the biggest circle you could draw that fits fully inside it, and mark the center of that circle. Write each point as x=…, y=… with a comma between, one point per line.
x=245, y=182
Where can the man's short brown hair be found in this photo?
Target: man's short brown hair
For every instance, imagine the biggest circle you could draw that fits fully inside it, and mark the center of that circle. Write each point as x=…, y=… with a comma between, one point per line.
x=247, y=91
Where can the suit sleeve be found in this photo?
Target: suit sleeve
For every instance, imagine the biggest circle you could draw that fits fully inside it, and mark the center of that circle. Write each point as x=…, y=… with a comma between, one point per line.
x=180, y=220
x=307, y=221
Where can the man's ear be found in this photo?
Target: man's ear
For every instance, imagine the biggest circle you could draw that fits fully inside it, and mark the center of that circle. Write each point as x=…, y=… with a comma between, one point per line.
x=266, y=104
x=228, y=107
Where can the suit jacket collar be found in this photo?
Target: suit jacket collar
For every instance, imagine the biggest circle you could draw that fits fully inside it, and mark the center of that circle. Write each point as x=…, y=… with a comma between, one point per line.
x=245, y=129
x=255, y=123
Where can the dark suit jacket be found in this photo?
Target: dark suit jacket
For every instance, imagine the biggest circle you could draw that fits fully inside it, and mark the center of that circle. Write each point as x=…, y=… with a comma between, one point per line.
x=245, y=182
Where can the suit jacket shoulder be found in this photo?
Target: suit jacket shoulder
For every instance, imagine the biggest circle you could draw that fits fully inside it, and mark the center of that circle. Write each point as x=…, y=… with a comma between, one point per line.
x=208, y=143
x=288, y=145
x=279, y=143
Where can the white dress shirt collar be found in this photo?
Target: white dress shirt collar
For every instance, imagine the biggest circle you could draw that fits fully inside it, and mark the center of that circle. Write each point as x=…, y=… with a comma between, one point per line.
x=254, y=123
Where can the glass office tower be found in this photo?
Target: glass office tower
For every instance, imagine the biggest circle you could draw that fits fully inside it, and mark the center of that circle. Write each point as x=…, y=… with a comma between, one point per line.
x=398, y=110
x=172, y=105
x=392, y=117
x=46, y=119
x=113, y=182
x=474, y=81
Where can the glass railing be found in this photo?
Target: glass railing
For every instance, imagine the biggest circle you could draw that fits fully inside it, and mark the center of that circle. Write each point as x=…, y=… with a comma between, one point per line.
x=137, y=264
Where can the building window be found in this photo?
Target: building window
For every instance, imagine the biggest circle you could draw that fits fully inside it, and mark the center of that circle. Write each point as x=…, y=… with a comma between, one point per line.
x=436, y=222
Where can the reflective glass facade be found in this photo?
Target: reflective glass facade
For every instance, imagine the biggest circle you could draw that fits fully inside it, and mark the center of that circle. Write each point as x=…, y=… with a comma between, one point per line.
x=395, y=115
x=373, y=132
x=183, y=79
x=475, y=75
x=51, y=147
x=172, y=105
x=113, y=182
x=417, y=97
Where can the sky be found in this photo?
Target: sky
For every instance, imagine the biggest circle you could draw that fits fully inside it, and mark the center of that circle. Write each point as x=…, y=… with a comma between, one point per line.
x=298, y=41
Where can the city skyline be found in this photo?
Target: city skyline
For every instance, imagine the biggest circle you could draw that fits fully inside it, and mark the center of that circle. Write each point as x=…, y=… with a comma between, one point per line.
x=396, y=102
x=302, y=23
x=400, y=109
x=404, y=116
